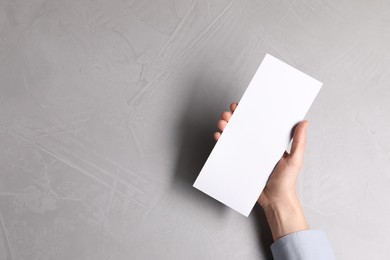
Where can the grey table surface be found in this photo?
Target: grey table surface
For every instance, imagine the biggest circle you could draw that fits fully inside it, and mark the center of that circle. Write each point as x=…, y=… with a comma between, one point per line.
x=107, y=110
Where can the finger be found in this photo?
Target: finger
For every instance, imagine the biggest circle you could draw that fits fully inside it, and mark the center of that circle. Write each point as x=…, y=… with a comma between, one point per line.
x=221, y=124
x=299, y=141
x=233, y=106
x=217, y=135
x=226, y=116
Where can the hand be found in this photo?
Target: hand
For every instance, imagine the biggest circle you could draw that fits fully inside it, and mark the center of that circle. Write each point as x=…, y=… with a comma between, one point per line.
x=279, y=199
x=282, y=182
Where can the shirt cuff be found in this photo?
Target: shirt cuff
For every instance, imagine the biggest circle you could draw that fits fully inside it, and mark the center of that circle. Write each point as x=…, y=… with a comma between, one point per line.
x=303, y=245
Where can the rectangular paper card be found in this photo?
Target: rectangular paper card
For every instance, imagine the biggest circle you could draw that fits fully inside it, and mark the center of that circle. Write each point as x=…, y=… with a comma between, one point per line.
x=258, y=133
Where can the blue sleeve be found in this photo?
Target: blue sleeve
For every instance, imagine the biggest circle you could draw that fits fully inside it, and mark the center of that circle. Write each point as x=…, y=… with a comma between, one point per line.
x=303, y=245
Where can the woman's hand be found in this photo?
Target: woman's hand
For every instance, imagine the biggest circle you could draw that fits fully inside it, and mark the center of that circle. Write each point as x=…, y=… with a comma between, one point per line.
x=279, y=199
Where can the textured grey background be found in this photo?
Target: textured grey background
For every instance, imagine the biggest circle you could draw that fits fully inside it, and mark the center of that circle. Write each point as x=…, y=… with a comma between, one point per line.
x=107, y=110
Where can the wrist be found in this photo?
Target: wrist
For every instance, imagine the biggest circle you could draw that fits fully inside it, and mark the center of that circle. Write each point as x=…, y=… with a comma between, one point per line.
x=285, y=216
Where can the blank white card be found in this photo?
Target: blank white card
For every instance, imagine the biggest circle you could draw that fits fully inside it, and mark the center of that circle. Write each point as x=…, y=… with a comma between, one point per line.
x=258, y=133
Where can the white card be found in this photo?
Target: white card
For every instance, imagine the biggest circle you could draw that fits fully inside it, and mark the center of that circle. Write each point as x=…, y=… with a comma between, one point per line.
x=258, y=133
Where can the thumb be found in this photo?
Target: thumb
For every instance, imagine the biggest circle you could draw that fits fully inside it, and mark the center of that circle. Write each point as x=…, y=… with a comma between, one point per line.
x=299, y=141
